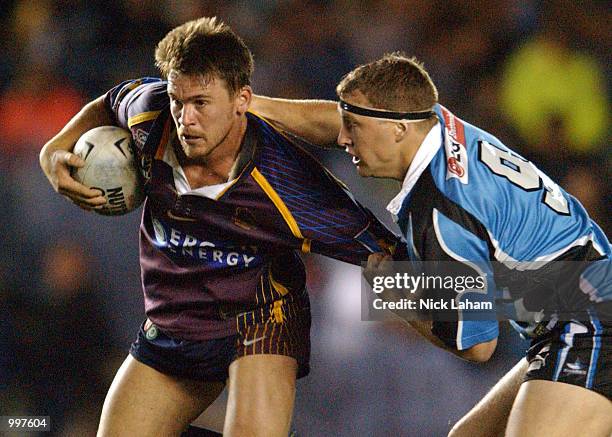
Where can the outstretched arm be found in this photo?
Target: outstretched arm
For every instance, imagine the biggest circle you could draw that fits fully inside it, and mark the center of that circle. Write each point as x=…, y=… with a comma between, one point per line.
x=380, y=264
x=317, y=121
x=56, y=156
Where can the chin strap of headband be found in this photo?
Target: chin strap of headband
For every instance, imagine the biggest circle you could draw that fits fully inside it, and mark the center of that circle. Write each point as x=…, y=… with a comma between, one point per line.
x=388, y=115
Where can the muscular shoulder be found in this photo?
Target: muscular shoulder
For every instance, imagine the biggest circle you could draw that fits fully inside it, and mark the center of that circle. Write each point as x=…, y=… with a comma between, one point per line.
x=277, y=152
x=527, y=215
x=136, y=101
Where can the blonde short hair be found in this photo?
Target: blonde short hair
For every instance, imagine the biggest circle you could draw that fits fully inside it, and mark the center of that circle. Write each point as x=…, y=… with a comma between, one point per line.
x=394, y=83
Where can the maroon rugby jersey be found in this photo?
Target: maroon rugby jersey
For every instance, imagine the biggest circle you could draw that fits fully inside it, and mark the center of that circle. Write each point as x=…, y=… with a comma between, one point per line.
x=205, y=260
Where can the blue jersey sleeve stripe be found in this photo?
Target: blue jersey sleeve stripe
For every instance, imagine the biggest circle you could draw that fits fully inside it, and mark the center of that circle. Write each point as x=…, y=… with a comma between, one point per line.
x=597, y=330
x=562, y=354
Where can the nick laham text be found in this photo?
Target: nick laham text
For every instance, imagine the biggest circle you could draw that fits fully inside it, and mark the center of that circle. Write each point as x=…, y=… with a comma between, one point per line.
x=431, y=304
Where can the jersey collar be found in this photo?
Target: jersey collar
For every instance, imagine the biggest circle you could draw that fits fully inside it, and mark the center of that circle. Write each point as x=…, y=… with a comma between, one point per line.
x=427, y=150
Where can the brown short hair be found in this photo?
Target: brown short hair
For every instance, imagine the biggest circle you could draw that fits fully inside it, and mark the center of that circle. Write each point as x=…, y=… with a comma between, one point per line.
x=395, y=83
x=206, y=46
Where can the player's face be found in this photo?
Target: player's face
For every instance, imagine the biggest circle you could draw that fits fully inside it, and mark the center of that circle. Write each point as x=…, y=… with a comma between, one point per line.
x=371, y=142
x=205, y=113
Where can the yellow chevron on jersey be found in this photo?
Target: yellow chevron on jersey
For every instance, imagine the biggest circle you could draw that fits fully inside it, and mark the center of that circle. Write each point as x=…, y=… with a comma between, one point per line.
x=278, y=202
x=142, y=117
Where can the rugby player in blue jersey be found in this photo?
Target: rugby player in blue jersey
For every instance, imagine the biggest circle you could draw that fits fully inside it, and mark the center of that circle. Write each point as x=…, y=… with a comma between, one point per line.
x=466, y=197
x=230, y=200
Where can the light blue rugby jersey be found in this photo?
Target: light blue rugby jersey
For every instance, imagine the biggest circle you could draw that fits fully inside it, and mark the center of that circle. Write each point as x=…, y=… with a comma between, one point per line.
x=479, y=202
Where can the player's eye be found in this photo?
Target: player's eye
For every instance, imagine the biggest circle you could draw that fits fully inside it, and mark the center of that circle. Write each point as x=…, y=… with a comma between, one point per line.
x=201, y=103
x=349, y=124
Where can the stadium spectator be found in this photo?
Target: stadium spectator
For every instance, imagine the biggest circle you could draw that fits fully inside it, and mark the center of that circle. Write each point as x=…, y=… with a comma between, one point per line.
x=546, y=79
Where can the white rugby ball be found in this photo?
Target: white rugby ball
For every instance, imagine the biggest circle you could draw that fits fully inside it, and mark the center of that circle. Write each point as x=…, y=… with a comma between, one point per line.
x=110, y=165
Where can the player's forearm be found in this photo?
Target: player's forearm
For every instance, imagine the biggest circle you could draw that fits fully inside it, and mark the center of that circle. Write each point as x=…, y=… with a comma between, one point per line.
x=317, y=121
x=423, y=327
x=57, y=160
x=478, y=353
x=92, y=115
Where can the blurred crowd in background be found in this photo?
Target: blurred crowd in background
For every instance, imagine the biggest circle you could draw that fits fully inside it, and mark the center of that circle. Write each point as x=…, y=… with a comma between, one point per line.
x=534, y=73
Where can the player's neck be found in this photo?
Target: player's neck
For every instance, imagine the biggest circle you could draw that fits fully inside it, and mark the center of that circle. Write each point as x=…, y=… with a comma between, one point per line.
x=411, y=147
x=215, y=168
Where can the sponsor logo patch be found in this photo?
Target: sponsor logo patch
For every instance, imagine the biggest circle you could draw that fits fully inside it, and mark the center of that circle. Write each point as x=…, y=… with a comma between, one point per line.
x=181, y=244
x=253, y=341
x=539, y=360
x=455, y=167
x=456, y=153
x=456, y=160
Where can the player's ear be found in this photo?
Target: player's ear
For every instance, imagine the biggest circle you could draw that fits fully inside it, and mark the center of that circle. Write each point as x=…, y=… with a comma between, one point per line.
x=243, y=99
x=400, y=130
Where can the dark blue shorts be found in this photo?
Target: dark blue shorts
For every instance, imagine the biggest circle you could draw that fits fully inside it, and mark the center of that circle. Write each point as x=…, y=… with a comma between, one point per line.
x=283, y=328
x=577, y=353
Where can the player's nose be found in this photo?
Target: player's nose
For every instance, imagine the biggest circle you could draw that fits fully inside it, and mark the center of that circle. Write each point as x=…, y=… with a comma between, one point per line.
x=344, y=140
x=186, y=117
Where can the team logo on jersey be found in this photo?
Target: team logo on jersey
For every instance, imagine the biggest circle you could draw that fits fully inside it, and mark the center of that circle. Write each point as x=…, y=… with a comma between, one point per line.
x=151, y=333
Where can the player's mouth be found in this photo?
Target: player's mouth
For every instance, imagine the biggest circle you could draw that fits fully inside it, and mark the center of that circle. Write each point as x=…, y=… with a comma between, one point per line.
x=190, y=139
x=354, y=158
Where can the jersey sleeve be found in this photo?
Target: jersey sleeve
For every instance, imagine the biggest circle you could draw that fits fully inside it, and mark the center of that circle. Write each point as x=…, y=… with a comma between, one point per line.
x=136, y=102
x=363, y=235
x=320, y=209
x=338, y=226
x=463, y=255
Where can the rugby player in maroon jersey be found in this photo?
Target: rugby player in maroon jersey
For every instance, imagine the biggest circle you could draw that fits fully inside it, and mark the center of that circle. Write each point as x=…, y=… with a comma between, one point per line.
x=230, y=200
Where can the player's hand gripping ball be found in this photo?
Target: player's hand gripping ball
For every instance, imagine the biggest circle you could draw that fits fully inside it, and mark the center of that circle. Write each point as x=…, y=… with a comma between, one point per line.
x=110, y=166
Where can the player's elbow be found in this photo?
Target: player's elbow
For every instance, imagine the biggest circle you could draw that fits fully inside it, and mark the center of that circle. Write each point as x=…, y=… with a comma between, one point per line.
x=43, y=155
x=479, y=353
